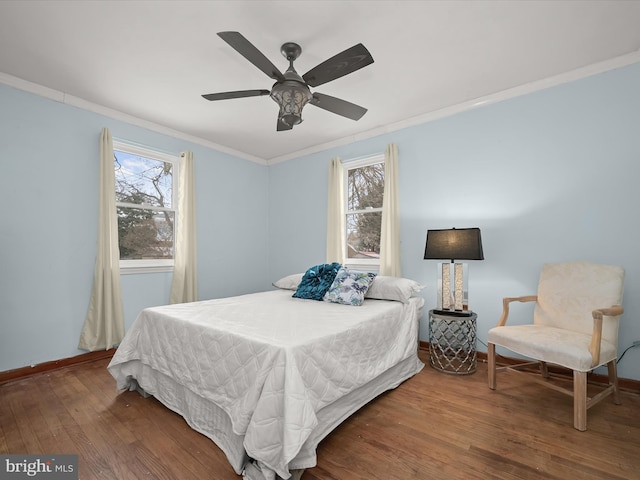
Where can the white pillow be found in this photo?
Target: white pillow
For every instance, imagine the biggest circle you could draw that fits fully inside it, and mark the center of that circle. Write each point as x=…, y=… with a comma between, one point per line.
x=289, y=282
x=393, y=288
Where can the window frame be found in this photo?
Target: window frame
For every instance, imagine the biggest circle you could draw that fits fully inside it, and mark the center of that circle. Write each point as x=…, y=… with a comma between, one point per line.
x=369, y=264
x=152, y=265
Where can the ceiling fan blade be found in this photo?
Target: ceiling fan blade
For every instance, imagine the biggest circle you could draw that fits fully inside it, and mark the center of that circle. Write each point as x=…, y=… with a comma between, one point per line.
x=251, y=53
x=339, y=65
x=336, y=105
x=283, y=126
x=238, y=94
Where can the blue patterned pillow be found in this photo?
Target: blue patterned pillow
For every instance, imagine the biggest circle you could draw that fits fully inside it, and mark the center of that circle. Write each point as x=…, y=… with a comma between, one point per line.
x=349, y=287
x=316, y=281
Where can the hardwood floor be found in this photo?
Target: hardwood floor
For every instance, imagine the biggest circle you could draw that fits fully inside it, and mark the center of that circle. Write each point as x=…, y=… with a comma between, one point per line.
x=434, y=426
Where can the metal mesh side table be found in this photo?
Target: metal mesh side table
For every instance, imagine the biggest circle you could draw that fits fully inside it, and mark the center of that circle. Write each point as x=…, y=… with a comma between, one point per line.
x=452, y=343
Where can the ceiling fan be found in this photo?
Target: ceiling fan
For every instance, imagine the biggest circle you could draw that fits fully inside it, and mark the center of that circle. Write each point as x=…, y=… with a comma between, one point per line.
x=291, y=91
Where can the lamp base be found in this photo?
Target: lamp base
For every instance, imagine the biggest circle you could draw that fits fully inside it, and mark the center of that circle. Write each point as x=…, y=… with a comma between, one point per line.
x=453, y=313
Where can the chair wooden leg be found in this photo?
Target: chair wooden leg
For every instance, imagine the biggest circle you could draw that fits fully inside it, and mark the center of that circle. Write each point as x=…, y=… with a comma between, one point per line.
x=491, y=365
x=544, y=370
x=613, y=381
x=580, y=400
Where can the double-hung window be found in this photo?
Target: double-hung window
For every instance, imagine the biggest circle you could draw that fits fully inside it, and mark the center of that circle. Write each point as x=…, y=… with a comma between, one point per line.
x=146, y=203
x=364, y=189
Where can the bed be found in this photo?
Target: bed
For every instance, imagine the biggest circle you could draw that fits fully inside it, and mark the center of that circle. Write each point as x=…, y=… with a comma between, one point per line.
x=267, y=376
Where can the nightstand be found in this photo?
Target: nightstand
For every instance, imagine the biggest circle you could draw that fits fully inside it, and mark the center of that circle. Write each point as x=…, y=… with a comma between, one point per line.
x=452, y=340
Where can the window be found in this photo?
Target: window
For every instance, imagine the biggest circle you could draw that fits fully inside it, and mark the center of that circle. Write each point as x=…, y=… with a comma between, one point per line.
x=146, y=201
x=364, y=188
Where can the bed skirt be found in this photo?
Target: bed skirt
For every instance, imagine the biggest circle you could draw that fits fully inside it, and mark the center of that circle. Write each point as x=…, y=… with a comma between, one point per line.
x=210, y=420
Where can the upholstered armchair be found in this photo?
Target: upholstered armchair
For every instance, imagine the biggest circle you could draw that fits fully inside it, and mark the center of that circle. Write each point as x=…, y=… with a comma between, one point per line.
x=575, y=325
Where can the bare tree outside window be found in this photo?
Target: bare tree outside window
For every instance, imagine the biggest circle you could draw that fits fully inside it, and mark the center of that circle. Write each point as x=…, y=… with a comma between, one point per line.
x=365, y=188
x=146, y=214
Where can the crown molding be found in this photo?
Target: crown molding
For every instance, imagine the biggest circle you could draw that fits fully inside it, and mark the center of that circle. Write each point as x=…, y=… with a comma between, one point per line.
x=577, y=74
x=77, y=102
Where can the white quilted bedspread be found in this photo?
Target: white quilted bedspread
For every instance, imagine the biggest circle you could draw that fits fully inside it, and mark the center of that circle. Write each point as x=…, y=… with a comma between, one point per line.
x=269, y=360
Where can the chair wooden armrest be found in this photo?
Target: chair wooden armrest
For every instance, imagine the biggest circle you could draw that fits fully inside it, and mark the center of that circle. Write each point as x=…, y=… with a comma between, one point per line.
x=596, y=337
x=505, y=306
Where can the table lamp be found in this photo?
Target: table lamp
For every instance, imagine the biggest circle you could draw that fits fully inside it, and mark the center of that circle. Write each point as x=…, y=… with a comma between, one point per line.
x=452, y=244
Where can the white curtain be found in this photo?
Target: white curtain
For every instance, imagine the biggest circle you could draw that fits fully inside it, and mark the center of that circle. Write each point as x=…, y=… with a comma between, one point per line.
x=390, y=230
x=335, y=213
x=185, y=275
x=104, y=325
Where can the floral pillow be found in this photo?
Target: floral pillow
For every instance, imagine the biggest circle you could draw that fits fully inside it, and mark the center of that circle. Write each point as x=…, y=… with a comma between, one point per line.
x=349, y=287
x=316, y=281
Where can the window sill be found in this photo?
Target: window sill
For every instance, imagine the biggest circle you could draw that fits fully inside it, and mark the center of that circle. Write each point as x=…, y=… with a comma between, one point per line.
x=362, y=266
x=129, y=267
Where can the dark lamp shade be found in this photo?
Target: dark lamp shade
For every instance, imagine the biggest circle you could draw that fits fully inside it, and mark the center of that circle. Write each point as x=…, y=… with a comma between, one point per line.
x=454, y=244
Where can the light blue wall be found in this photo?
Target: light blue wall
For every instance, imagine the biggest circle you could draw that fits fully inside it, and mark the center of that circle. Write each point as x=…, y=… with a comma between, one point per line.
x=48, y=233
x=549, y=176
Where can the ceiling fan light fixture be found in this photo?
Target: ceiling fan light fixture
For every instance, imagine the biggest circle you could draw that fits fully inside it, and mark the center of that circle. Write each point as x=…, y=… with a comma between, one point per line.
x=291, y=96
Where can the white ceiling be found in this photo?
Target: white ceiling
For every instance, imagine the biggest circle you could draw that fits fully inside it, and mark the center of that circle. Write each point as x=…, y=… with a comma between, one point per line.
x=151, y=60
